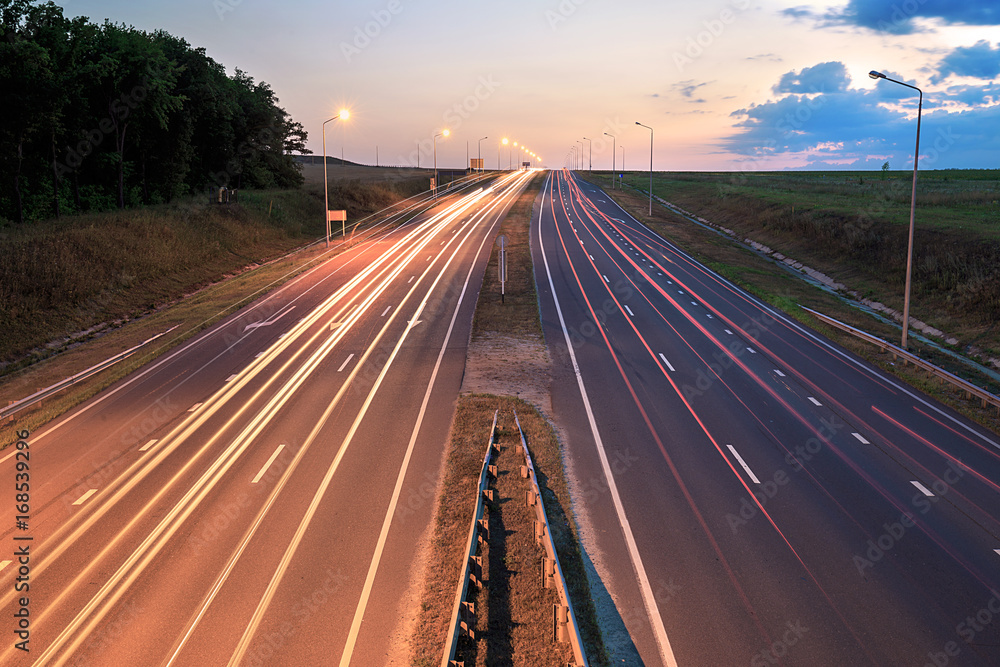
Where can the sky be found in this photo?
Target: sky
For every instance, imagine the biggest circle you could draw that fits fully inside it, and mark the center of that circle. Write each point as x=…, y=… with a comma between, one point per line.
x=725, y=85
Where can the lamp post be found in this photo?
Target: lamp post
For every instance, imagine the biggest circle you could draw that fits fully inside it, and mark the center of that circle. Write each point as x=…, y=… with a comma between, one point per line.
x=614, y=154
x=913, y=207
x=579, y=156
x=443, y=133
x=623, y=166
x=345, y=114
x=590, y=164
x=650, y=165
x=481, y=153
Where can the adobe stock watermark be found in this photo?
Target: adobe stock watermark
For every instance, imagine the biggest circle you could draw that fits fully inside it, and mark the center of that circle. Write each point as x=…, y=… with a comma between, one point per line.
x=967, y=630
x=713, y=29
x=779, y=648
x=223, y=7
x=902, y=13
x=455, y=115
x=563, y=11
x=365, y=35
x=723, y=361
x=894, y=532
x=805, y=452
x=267, y=646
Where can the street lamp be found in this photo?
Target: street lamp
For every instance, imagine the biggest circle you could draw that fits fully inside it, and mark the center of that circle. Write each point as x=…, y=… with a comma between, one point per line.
x=650, y=165
x=913, y=206
x=590, y=168
x=344, y=114
x=481, y=153
x=579, y=162
x=614, y=154
x=443, y=133
x=623, y=166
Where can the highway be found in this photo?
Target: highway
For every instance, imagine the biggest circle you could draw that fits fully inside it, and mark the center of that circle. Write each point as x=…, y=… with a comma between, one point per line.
x=752, y=493
x=257, y=495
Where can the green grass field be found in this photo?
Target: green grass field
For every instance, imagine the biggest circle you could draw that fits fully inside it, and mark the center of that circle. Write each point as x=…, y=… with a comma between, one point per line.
x=853, y=227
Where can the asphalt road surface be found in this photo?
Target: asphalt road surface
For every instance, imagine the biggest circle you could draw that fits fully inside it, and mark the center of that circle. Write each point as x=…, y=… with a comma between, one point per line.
x=255, y=497
x=756, y=495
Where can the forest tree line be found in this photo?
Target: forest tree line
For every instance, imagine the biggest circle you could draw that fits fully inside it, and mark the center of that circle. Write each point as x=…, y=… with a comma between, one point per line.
x=104, y=116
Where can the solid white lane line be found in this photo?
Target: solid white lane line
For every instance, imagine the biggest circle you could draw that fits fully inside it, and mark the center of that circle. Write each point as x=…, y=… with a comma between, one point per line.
x=231, y=377
x=656, y=621
x=359, y=613
x=346, y=361
x=779, y=373
x=387, y=309
x=82, y=499
x=666, y=362
x=629, y=311
x=814, y=401
x=861, y=438
x=267, y=465
x=194, y=407
x=744, y=464
x=148, y=445
x=923, y=489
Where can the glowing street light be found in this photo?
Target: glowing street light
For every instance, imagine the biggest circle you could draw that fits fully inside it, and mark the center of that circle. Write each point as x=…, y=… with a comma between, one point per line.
x=344, y=115
x=913, y=206
x=650, y=165
x=443, y=133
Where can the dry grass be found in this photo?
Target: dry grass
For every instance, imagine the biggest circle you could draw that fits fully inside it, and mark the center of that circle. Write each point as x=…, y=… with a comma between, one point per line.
x=517, y=314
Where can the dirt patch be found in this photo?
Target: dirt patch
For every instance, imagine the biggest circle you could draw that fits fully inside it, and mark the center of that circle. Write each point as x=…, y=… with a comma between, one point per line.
x=509, y=366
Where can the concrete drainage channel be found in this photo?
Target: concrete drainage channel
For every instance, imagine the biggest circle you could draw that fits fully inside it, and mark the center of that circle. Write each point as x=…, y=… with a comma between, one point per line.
x=564, y=627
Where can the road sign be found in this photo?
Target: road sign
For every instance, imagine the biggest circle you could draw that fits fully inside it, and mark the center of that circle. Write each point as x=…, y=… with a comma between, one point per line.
x=476, y=163
x=502, y=242
x=336, y=216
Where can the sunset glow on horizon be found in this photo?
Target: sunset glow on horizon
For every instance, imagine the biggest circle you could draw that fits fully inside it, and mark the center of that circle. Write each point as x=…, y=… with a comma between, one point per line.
x=729, y=85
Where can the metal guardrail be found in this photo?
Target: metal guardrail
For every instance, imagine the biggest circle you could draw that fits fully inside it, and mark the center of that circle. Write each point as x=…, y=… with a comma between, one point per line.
x=73, y=379
x=564, y=620
x=970, y=389
x=463, y=614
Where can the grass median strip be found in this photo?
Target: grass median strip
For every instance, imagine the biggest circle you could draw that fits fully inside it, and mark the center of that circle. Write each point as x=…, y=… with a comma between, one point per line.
x=507, y=367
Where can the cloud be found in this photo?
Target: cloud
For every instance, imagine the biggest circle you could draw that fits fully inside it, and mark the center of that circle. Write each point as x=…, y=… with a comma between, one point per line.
x=980, y=60
x=825, y=77
x=899, y=16
x=861, y=126
x=687, y=88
